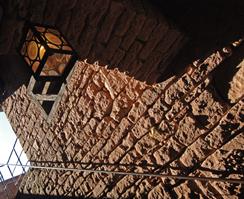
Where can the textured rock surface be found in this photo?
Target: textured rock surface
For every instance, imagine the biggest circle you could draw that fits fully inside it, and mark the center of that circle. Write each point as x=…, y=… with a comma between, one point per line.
x=236, y=90
x=107, y=117
x=181, y=126
x=131, y=36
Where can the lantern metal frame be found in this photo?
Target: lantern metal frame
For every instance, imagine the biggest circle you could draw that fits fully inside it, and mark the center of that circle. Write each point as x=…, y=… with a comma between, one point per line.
x=48, y=52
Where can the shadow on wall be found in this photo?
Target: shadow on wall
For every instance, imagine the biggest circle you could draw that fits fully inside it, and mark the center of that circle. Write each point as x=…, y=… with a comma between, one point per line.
x=224, y=77
x=33, y=196
x=233, y=164
x=13, y=74
x=208, y=24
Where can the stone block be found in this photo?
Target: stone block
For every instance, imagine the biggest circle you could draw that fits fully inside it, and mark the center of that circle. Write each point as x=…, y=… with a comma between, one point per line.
x=195, y=153
x=141, y=127
x=106, y=127
x=106, y=150
x=227, y=158
x=184, y=190
x=115, y=83
x=52, y=10
x=86, y=41
x=179, y=89
x=207, y=66
x=99, y=189
x=116, y=154
x=121, y=107
x=206, y=107
x=168, y=152
x=99, y=78
x=130, y=56
x=107, y=27
x=98, y=10
x=112, y=46
x=133, y=31
x=173, y=93
x=137, y=110
x=175, y=109
x=159, y=192
x=98, y=146
x=147, y=29
x=86, y=77
x=92, y=89
x=117, y=57
x=236, y=91
x=121, y=186
x=144, y=145
x=197, y=91
x=156, y=113
x=124, y=22
x=159, y=32
x=149, y=96
x=103, y=104
x=227, y=128
x=121, y=131
x=37, y=10
x=134, y=89
x=188, y=130
x=128, y=142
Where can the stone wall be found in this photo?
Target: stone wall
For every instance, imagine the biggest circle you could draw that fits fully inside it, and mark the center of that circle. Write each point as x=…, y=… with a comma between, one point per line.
x=130, y=35
x=9, y=188
x=180, y=126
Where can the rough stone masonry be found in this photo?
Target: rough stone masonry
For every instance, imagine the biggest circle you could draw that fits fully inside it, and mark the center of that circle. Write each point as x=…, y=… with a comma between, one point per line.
x=181, y=126
x=126, y=34
x=105, y=116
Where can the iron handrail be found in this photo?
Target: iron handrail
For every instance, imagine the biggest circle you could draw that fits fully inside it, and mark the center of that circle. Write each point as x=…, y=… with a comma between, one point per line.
x=146, y=174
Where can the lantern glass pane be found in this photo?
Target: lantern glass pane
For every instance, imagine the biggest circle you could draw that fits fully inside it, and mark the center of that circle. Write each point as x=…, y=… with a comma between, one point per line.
x=35, y=65
x=29, y=35
x=32, y=50
x=66, y=48
x=50, y=45
x=47, y=43
x=53, y=38
x=40, y=29
x=42, y=51
x=55, y=65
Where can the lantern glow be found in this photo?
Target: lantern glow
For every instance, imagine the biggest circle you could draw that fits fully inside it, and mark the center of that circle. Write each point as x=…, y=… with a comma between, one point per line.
x=47, y=53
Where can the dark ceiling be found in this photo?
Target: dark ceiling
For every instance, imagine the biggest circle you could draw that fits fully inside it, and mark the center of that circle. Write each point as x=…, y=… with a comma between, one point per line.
x=209, y=24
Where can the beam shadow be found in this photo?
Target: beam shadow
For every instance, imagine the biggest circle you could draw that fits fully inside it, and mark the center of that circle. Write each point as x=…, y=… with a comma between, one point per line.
x=209, y=25
x=34, y=196
x=143, y=165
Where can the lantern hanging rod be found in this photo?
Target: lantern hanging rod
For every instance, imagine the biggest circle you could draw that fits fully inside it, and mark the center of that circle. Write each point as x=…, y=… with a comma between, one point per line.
x=146, y=174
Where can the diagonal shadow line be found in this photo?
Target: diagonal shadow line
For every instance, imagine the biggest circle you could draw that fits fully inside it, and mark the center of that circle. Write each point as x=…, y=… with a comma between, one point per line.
x=145, y=166
x=35, y=196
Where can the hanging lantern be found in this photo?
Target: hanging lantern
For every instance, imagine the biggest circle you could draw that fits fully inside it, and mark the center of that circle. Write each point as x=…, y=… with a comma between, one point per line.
x=47, y=53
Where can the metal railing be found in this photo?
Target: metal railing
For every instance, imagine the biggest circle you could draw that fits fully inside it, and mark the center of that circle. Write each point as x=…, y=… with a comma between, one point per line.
x=141, y=174
x=24, y=167
x=11, y=168
x=18, y=162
